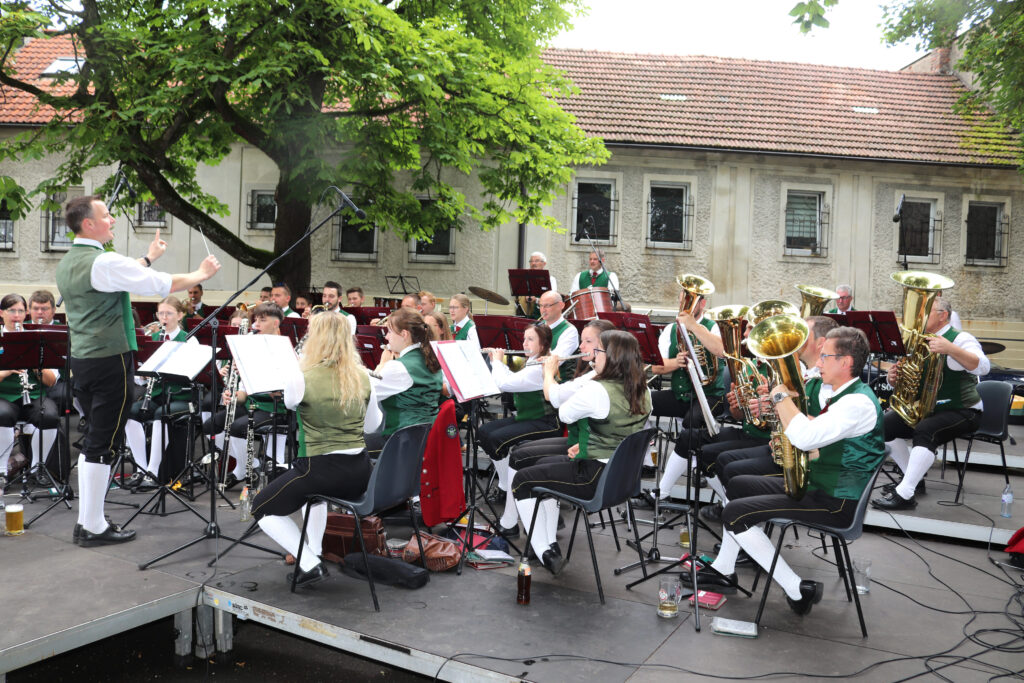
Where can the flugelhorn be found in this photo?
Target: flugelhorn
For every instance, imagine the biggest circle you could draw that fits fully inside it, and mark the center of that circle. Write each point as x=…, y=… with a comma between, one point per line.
x=814, y=299
x=695, y=288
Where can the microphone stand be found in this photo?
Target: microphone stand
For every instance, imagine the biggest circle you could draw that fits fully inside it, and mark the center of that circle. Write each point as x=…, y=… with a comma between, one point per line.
x=212, y=530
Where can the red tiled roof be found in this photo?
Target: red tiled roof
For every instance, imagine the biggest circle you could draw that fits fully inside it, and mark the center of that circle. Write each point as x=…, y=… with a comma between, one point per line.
x=742, y=104
x=31, y=60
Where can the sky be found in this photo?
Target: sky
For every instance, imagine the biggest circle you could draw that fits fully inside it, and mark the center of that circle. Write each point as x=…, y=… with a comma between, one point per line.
x=752, y=29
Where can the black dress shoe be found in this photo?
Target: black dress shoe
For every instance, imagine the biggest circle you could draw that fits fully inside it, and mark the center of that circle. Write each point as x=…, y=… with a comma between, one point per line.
x=112, y=534
x=894, y=502
x=708, y=579
x=711, y=513
x=134, y=480
x=810, y=595
x=553, y=560
x=77, y=533
x=313, y=576
x=918, y=490
x=511, y=532
x=230, y=481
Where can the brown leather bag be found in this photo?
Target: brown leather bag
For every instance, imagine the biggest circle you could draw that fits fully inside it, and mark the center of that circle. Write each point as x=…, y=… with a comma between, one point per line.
x=340, y=536
x=441, y=553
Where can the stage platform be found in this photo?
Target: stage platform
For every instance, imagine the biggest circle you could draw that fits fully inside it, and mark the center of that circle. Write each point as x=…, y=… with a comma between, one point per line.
x=60, y=596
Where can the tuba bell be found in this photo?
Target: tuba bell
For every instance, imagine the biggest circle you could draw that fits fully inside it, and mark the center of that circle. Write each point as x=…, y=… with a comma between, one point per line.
x=919, y=373
x=696, y=288
x=766, y=309
x=776, y=340
x=814, y=299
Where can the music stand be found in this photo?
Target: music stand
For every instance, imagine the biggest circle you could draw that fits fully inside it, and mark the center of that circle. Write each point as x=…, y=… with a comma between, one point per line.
x=528, y=282
x=400, y=284
x=294, y=328
x=369, y=349
x=639, y=326
x=501, y=331
x=365, y=314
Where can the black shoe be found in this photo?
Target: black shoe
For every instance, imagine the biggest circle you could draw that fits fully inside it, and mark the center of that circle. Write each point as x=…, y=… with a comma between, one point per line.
x=708, y=579
x=894, y=502
x=81, y=424
x=810, y=595
x=649, y=472
x=918, y=490
x=553, y=560
x=77, y=533
x=112, y=534
x=511, y=532
x=134, y=480
x=313, y=576
x=230, y=481
x=712, y=513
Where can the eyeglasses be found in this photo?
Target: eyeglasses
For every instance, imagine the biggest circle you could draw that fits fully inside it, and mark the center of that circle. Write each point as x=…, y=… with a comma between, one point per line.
x=850, y=296
x=834, y=355
x=549, y=305
x=599, y=351
x=16, y=311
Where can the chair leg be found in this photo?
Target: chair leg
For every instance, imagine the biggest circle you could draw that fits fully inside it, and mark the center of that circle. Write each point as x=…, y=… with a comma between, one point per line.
x=841, y=566
x=615, y=535
x=302, y=542
x=593, y=558
x=572, y=539
x=366, y=561
x=962, y=469
x=1006, y=474
x=771, y=572
x=636, y=538
x=942, y=467
x=416, y=531
x=529, y=531
x=856, y=595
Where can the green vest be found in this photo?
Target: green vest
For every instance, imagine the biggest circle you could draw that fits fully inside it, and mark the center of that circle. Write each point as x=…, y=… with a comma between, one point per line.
x=598, y=438
x=681, y=385
x=178, y=392
x=583, y=280
x=959, y=388
x=101, y=323
x=325, y=425
x=845, y=467
x=10, y=389
x=531, y=405
x=463, y=332
x=418, y=403
x=566, y=369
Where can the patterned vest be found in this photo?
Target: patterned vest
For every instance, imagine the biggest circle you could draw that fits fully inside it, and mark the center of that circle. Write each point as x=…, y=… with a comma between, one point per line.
x=463, y=332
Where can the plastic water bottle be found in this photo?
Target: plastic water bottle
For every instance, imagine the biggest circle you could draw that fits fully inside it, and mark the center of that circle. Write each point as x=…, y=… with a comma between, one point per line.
x=523, y=583
x=1006, y=509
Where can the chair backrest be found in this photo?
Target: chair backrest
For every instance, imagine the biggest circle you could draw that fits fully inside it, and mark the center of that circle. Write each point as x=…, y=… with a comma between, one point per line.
x=396, y=477
x=997, y=397
x=856, y=528
x=620, y=478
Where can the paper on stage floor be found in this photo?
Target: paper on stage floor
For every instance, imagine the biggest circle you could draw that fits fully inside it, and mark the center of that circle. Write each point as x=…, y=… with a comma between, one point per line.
x=265, y=362
x=464, y=367
x=184, y=359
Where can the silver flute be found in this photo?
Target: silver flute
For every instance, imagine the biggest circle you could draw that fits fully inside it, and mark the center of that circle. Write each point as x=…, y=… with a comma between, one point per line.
x=487, y=352
x=540, y=361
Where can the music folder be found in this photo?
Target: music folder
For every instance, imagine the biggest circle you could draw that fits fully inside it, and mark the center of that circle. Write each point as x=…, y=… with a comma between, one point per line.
x=465, y=370
x=265, y=362
x=177, y=360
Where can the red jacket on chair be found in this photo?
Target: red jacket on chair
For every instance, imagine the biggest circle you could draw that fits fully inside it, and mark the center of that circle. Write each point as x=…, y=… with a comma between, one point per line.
x=442, y=498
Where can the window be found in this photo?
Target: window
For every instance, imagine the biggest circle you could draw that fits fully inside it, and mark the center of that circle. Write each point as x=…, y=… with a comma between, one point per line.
x=63, y=65
x=594, y=209
x=353, y=239
x=54, y=231
x=669, y=213
x=262, y=210
x=441, y=247
x=807, y=217
x=6, y=227
x=150, y=215
x=919, y=230
x=987, y=229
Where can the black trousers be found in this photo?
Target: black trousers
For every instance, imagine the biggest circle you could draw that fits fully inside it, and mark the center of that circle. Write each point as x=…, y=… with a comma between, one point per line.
x=755, y=460
x=576, y=477
x=531, y=452
x=42, y=416
x=499, y=436
x=934, y=430
x=104, y=387
x=665, y=404
x=333, y=474
x=728, y=439
x=753, y=500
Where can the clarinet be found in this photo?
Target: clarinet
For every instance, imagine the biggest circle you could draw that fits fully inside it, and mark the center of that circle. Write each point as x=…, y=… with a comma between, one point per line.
x=26, y=383
x=150, y=383
x=245, y=499
x=229, y=413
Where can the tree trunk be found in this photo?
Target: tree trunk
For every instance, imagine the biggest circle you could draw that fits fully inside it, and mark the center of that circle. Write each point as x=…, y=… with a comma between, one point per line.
x=292, y=220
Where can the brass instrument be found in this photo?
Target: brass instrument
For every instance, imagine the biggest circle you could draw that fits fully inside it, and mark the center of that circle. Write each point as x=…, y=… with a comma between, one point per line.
x=919, y=373
x=319, y=308
x=776, y=341
x=814, y=299
x=744, y=371
x=696, y=288
x=766, y=309
x=152, y=327
x=528, y=304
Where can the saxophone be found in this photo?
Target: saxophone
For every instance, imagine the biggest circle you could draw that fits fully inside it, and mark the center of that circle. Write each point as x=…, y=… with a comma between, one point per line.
x=776, y=341
x=730, y=320
x=150, y=383
x=696, y=288
x=814, y=299
x=919, y=373
x=229, y=413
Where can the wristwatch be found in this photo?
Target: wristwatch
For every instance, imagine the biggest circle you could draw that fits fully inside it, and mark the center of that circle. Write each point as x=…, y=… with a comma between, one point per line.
x=778, y=397
x=148, y=262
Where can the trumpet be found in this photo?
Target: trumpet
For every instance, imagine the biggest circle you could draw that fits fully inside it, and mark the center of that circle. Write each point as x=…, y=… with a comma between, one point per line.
x=153, y=327
x=540, y=361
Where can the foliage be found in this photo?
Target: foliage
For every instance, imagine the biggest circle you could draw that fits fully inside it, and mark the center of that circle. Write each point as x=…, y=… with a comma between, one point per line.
x=811, y=13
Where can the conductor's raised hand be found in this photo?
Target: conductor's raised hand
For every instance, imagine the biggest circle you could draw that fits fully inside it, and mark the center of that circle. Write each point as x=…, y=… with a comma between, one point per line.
x=156, y=248
x=209, y=267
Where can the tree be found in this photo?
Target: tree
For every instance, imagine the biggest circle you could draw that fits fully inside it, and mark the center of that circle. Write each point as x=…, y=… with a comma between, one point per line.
x=389, y=98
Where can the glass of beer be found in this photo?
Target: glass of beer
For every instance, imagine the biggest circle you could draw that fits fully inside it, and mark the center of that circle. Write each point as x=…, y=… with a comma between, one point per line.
x=15, y=519
x=670, y=593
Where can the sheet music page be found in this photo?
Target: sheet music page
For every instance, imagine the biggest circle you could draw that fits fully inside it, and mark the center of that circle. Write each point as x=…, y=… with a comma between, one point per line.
x=464, y=368
x=265, y=362
x=186, y=359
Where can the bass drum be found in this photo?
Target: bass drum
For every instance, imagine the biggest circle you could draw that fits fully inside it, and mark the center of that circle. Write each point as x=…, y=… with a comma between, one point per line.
x=589, y=302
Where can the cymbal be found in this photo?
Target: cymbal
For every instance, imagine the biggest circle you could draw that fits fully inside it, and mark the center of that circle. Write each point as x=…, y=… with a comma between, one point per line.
x=488, y=295
x=989, y=348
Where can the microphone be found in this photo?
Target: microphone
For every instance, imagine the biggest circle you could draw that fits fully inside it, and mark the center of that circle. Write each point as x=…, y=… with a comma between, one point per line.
x=360, y=214
x=588, y=222
x=899, y=210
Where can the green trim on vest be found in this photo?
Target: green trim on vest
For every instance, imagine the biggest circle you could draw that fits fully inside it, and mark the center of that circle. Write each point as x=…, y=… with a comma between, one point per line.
x=566, y=369
x=845, y=467
x=101, y=323
x=682, y=388
x=10, y=389
x=418, y=403
x=463, y=332
x=583, y=280
x=600, y=437
x=959, y=388
x=325, y=425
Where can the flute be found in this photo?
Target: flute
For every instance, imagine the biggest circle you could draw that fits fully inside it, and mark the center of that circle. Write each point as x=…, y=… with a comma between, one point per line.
x=487, y=352
x=540, y=361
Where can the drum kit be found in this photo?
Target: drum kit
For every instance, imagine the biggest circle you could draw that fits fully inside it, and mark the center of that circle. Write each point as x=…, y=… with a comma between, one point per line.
x=584, y=304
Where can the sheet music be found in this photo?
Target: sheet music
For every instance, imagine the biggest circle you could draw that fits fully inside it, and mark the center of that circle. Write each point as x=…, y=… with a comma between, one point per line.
x=265, y=362
x=184, y=359
x=693, y=353
x=464, y=368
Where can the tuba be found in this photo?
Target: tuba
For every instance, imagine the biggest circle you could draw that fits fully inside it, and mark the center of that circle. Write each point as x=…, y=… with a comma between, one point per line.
x=696, y=288
x=814, y=299
x=766, y=309
x=919, y=373
x=776, y=340
x=731, y=321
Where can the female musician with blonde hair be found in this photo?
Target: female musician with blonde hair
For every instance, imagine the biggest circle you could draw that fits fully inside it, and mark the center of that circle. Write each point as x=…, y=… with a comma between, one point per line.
x=335, y=404
x=462, y=322
x=438, y=324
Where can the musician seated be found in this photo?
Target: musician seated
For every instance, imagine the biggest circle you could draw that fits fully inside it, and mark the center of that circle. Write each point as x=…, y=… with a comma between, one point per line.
x=534, y=419
x=844, y=304
x=956, y=413
x=281, y=294
x=38, y=411
x=42, y=308
x=266, y=319
x=595, y=275
x=438, y=324
x=265, y=294
x=565, y=338
x=538, y=261
x=194, y=307
x=844, y=434
x=608, y=408
x=169, y=313
x=409, y=387
x=354, y=296
x=427, y=303
x=462, y=322
x=335, y=404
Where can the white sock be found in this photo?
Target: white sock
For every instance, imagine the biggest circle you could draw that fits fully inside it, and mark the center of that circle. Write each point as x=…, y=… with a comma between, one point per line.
x=921, y=460
x=549, y=512
x=539, y=541
x=156, y=448
x=237, y=446
x=674, y=468
x=49, y=436
x=286, y=534
x=899, y=452
x=6, y=444
x=501, y=467
x=282, y=452
x=33, y=440
x=77, y=405
x=135, y=435
x=316, y=527
x=716, y=485
x=92, y=486
x=725, y=563
x=761, y=549
x=205, y=415
x=509, y=516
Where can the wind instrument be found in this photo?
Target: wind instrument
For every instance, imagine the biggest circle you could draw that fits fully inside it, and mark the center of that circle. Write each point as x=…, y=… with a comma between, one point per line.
x=231, y=387
x=696, y=288
x=766, y=309
x=814, y=299
x=150, y=382
x=745, y=375
x=26, y=383
x=540, y=361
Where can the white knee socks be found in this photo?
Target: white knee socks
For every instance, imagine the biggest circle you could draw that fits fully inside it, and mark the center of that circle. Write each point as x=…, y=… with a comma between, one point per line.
x=6, y=445
x=761, y=549
x=716, y=485
x=674, y=468
x=237, y=446
x=501, y=467
x=92, y=486
x=921, y=460
x=900, y=453
x=509, y=516
x=286, y=534
x=135, y=435
x=316, y=527
x=156, y=448
x=540, y=541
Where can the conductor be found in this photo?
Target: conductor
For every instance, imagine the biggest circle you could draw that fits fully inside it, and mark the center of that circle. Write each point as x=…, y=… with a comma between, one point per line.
x=95, y=285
